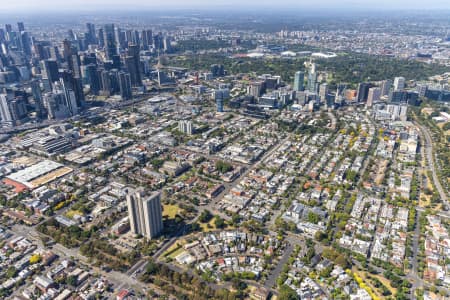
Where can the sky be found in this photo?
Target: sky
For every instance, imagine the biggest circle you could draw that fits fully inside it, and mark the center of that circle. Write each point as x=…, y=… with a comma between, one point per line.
x=92, y=5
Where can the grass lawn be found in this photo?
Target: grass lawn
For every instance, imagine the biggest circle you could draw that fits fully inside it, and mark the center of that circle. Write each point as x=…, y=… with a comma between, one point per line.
x=425, y=200
x=386, y=282
x=176, y=253
x=71, y=213
x=206, y=228
x=170, y=210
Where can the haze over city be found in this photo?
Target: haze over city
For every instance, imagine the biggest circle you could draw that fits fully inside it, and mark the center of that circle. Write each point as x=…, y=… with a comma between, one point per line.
x=85, y=5
x=224, y=150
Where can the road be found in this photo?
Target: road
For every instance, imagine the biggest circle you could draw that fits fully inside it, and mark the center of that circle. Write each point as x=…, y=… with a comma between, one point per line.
x=118, y=279
x=272, y=278
x=413, y=273
x=428, y=149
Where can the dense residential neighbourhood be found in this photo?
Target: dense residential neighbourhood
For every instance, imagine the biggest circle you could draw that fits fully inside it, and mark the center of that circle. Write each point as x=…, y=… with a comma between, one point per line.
x=192, y=157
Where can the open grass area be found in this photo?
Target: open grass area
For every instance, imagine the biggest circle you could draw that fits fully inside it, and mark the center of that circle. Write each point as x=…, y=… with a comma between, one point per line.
x=176, y=253
x=175, y=249
x=171, y=210
x=425, y=200
x=210, y=226
x=368, y=282
x=71, y=213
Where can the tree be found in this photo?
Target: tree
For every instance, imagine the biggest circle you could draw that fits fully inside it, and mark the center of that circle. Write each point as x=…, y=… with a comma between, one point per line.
x=205, y=216
x=11, y=272
x=72, y=280
x=35, y=259
x=286, y=293
x=223, y=167
x=313, y=218
x=219, y=222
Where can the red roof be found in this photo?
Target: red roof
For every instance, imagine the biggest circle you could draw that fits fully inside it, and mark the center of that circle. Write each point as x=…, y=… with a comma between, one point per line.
x=17, y=185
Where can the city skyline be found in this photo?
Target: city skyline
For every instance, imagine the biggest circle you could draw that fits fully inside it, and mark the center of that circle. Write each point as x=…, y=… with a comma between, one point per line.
x=84, y=5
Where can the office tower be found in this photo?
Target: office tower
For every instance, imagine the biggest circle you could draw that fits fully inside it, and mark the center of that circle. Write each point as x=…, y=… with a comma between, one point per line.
x=8, y=28
x=132, y=64
x=312, y=78
x=132, y=68
x=39, y=51
x=2, y=35
x=75, y=84
x=219, y=104
x=38, y=100
x=323, y=91
x=56, y=105
x=363, y=91
x=399, y=83
x=185, y=127
x=145, y=214
x=256, y=89
x=158, y=41
x=20, y=26
x=93, y=78
x=374, y=95
x=50, y=73
x=147, y=39
x=422, y=89
x=12, y=109
x=119, y=38
x=124, y=81
x=166, y=45
x=90, y=34
x=54, y=54
x=71, y=35
x=105, y=80
x=396, y=96
x=299, y=78
x=109, y=41
x=25, y=43
x=217, y=70
x=70, y=96
x=74, y=65
x=67, y=50
x=5, y=113
x=101, y=38
x=385, y=87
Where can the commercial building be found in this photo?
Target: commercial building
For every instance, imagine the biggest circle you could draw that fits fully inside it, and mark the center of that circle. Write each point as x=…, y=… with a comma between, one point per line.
x=299, y=81
x=399, y=83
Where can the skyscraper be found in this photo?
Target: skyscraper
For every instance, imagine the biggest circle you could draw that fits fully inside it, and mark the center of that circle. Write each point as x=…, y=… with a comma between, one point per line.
x=50, y=74
x=25, y=42
x=132, y=63
x=374, y=95
x=109, y=41
x=298, y=81
x=90, y=34
x=219, y=104
x=385, y=87
x=38, y=100
x=147, y=39
x=5, y=113
x=124, y=85
x=145, y=214
x=12, y=109
x=312, y=78
x=363, y=91
x=185, y=127
x=256, y=89
x=93, y=78
x=399, y=83
x=323, y=91
x=20, y=26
